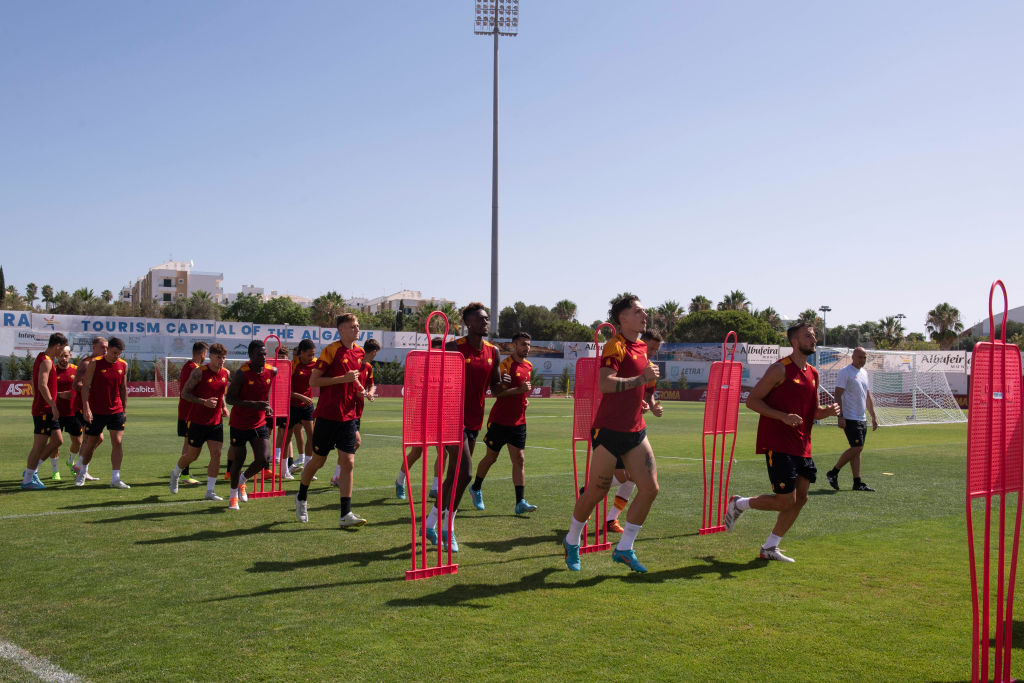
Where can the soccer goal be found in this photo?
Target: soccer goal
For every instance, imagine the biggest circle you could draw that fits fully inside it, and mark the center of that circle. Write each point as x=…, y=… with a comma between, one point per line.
x=166, y=371
x=906, y=391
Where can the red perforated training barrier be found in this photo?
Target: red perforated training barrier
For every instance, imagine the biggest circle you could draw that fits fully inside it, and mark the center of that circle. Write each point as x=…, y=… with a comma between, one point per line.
x=268, y=483
x=721, y=413
x=431, y=417
x=586, y=399
x=995, y=462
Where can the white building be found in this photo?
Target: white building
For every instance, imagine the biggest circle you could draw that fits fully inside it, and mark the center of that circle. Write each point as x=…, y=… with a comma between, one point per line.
x=408, y=300
x=174, y=280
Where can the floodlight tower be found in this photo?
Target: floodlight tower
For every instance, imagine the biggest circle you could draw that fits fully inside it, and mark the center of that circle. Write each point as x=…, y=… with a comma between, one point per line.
x=495, y=18
x=824, y=327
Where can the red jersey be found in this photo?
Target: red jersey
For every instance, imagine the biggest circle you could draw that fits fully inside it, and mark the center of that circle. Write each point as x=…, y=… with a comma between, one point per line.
x=76, y=400
x=510, y=411
x=211, y=385
x=338, y=401
x=65, y=382
x=798, y=394
x=620, y=411
x=185, y=406
x=300, y=380
x=255, y=387
x=481, y=373
x=40, y=406
x=105, y=391
x=366, y=379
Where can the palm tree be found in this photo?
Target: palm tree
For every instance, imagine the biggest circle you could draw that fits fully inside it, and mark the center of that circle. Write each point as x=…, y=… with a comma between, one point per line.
x=30, y=293
x=770, y=316
x=201, y=306
x=565, y=310
x=700, y=303
x=734, y=301
x=107, y=295
x=811, y=317
x=326, y=308
x=668, y=315
x=890, y=333
x=47, y=297
x=943, y=325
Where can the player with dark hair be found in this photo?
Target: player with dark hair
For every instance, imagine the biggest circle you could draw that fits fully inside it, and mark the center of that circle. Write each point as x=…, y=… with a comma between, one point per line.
x=199, y=350
x=786, y=398
x=300, y=417
x=249, y=398
x=69, y=423
x=99, y=348
x=619, y=436
x=46, y=436
x=205, y=390
x=104, y=403
x=481, y=373
x=335, y=424
x=506, y=425
x=620, y=479
x=369, y=393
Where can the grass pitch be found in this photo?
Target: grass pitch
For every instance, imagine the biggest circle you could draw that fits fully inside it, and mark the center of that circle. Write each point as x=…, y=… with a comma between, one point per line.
x=149, y=586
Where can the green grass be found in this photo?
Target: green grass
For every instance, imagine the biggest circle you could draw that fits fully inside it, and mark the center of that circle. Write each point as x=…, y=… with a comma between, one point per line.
x=143, y=585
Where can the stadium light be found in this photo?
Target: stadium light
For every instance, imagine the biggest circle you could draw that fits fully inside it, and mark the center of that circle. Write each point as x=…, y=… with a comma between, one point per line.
x=497, y=18
x=824, y=325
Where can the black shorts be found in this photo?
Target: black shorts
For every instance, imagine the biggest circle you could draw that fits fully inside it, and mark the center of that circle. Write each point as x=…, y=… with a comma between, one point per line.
x=617, y=443
x=200, y=434
x=499, y=435
x=330, y=434
x=297, y=414
x=856, y=432
x=42, y=425
x=784, y=469
x=182, y=427
x=240, y=437
x=113, y=423
x=281, y=422
x=72, y=424
x=470, y=435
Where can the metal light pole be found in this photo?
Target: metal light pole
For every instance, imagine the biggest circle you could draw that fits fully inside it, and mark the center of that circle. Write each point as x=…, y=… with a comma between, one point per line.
x=824, y=325
x=498, y=18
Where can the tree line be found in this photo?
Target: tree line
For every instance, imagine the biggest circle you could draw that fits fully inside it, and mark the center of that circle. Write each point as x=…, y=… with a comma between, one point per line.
x=701, y=321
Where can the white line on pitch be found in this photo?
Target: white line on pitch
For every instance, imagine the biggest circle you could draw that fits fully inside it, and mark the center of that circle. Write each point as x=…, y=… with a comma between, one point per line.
x=42, y=668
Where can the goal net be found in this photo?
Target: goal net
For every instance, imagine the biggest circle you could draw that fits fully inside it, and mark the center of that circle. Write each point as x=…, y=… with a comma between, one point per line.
x=167, y=370
x=905, y=389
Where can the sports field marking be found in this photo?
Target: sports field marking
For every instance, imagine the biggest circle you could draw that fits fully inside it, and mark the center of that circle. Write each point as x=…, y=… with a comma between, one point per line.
x=47, y=671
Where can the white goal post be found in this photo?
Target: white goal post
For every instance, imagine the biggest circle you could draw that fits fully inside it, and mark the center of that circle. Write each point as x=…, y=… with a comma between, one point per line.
x=167, y=369
x=905, y=390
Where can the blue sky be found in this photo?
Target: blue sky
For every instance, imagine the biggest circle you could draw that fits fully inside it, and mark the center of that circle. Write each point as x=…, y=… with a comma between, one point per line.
x=868, y=156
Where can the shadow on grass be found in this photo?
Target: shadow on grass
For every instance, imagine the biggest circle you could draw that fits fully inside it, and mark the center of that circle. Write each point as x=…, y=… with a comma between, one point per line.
x=1017, y=642
x=161, y=514
x=470, y=594
x=822, y=492
x=209, y=535
x=113, y=503
x=305, y=587
x=359, y=559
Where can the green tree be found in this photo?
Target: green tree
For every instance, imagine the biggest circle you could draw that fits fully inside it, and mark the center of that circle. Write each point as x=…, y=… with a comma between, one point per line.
x=734, y=301
x=666, y=316
x=3, y=285
x=889, y=333
x=282, y=311
x=12, y=301
x=811, y=317
x=326, y=308
x=175, y=310
x=47, y=297
x=31, y=292
x=770, y=316
x=712, y=326
x=201, y=306
x=246, y=308
x=388, y=373
x=565, y=310
x=107, y=296
x=699, y=303
x=944, y=325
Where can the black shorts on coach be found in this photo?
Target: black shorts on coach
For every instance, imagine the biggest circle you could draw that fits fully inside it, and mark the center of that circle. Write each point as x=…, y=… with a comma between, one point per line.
x=856, y=432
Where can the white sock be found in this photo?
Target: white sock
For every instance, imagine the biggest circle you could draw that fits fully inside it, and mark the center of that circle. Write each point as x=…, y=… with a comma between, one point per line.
x=337, y=471
x=234, y=493
x=773, y=541
x=78, y=462
x=241, y=479
x=176, y=471
x=615, y=481
x=432, y=518
x=400, y=480
x=115, y=475
x=26, y=476
x=55, y=464
x=210, y=482
x=444, y=521
x=84, y=469
x=575, y=531
x=435, y=484
x=629, y=533
x=277, y=455
x=742, y=503
x=38, y=464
